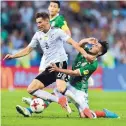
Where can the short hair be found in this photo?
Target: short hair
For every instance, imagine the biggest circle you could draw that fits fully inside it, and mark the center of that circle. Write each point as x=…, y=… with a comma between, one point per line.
x=43, y=15
x=56, y=2
x=104, y=47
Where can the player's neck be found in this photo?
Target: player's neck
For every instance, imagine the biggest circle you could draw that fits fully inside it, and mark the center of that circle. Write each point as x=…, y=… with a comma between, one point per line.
x=53, y=16
x=47, y=28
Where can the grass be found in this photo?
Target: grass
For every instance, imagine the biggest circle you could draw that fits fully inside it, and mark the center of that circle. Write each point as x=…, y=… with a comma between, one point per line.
x=54, y=115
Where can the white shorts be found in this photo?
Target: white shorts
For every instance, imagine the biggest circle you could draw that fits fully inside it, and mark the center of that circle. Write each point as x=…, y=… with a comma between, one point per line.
x=81, y=98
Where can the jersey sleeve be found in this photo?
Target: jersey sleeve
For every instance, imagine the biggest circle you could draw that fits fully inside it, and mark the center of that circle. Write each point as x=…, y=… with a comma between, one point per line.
x=63, y=35
x=62, y=23
x=87, y=69
x=34, y=41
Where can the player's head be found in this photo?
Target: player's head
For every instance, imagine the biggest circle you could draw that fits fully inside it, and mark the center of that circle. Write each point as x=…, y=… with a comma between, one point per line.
x=42, y=20
x=98, y=49
x=54, y=8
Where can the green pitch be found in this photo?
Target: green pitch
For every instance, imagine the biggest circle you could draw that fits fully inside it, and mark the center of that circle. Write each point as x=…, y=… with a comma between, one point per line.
x=54, y=115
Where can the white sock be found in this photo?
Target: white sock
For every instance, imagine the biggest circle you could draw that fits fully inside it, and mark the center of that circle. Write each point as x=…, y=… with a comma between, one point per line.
x=45, y=95
x=57, y=93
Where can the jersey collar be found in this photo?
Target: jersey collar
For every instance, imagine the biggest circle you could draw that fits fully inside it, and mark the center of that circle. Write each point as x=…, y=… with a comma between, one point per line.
x=54, y=17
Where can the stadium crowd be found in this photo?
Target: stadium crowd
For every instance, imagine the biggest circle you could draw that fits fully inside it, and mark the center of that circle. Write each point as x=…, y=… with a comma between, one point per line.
x=104, y=20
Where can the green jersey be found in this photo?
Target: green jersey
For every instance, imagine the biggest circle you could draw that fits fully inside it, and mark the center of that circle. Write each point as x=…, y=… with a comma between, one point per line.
x=58, y=21
x=86, y=69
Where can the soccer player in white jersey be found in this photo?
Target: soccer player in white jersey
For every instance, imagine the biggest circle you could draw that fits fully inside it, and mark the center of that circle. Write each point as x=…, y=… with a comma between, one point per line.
x=50, y=40
x=59, y=21
x=56, y=20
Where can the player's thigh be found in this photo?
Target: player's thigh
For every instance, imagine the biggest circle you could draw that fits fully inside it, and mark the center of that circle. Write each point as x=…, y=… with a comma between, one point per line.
x=34, y=85
x=46, y=77
x=61, y=78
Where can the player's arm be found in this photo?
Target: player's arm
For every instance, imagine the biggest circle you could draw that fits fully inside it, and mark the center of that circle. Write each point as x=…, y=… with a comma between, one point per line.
x=69, y=40
x=24, y=51
x=90, y=58
x=66, y=71
x=21, y=53
x=82, y=71
x=87, y=40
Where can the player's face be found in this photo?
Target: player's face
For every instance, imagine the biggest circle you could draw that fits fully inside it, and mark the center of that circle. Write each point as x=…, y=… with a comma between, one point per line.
x=41, y=24
x=53, y=9
x=96, y=48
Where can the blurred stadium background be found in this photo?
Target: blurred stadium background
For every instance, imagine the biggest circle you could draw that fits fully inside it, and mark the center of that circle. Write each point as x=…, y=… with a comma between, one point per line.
x=104, y=20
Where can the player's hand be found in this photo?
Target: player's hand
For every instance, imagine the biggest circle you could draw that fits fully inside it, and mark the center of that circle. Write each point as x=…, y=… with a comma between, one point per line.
x=8, y=56
x=53, y=67
x=88, y=40
x=90, y=58
x=92, y=40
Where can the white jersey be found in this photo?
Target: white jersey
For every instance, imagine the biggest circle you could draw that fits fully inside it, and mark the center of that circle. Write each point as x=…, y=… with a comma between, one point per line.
x=51, y=44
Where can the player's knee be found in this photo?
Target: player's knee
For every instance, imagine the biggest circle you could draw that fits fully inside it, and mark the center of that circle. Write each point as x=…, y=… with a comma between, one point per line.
x=61, y=89
x=61, y=85
x=29, y=90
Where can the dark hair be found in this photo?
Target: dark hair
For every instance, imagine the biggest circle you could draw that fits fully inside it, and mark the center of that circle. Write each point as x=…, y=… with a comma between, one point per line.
x=104, y=47
x=56, y=2
x=43, y=15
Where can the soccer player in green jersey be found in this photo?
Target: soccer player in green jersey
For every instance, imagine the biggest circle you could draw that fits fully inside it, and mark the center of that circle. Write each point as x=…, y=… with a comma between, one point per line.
x=56, y=19
x=77, y=88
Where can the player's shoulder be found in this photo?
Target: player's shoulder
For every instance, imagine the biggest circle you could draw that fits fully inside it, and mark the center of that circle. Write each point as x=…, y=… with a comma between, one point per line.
x=61, y=17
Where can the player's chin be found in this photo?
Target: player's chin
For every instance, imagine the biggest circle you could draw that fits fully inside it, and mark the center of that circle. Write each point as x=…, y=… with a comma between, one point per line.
x=40, y=28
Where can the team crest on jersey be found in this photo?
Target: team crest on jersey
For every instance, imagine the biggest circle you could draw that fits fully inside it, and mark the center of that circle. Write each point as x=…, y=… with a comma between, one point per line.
x=86, y=72
x=46, y=37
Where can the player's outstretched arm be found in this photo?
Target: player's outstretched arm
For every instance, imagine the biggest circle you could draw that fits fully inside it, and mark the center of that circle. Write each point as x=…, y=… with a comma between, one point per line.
x=21, y=53
x=66, y=71
x=66, y=29
x=87, y=40
x=90, y=58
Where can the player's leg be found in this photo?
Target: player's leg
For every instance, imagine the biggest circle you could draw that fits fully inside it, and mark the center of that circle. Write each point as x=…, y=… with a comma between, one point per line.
x=61, y=77
x=61, y=80
x=28, y=100
x=41, y=81
x=80, y=98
